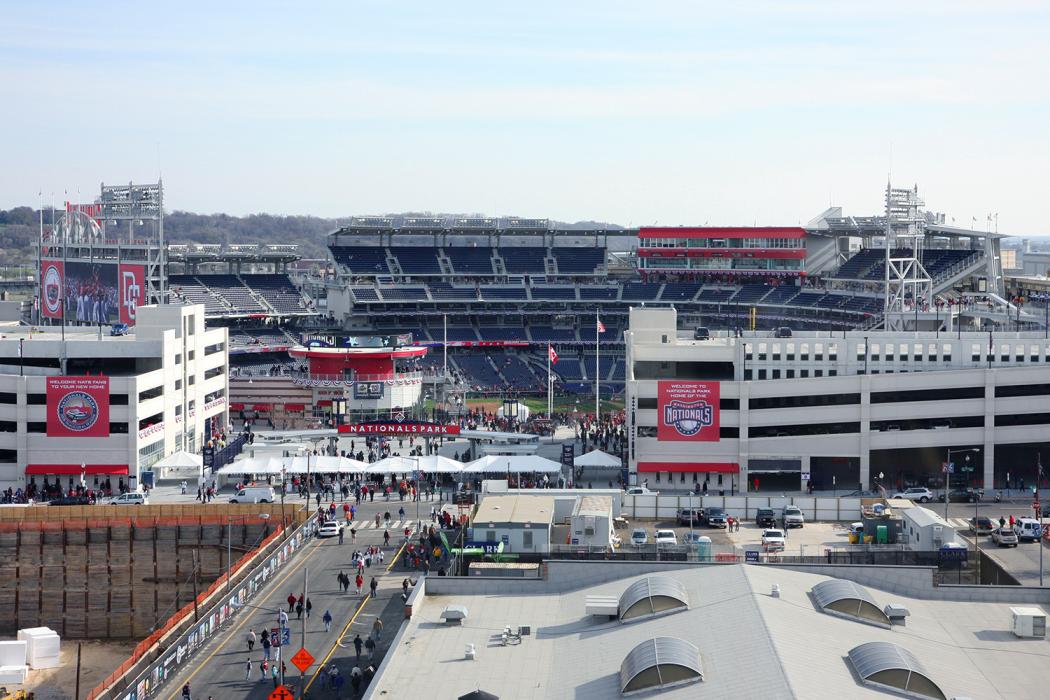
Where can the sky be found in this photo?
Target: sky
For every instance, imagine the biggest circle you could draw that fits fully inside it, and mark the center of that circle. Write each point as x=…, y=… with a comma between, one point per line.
x=633, y=113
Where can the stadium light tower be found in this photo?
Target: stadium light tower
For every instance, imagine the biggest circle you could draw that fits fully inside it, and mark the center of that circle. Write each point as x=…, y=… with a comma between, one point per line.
x=904, y=274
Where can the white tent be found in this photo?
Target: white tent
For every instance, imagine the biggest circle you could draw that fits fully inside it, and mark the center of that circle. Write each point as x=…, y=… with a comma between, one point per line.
x=181, y=460
x=322, y=464
x=515, y=464
x=596, y=458
x=430, y=464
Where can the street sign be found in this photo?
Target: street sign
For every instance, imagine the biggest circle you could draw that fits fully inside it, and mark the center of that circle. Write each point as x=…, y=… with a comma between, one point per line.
x=949, y=467
x=286, y=636
x=302, y=660
x=281, y=693
x=751, y=555
x=805, y=476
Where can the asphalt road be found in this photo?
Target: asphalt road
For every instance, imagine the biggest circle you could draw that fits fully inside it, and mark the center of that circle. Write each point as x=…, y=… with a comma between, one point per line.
x=218, y=670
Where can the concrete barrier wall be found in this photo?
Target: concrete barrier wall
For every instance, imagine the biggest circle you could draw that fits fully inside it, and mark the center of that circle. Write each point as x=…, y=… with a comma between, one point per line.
x=666, y=507
x=184, y=510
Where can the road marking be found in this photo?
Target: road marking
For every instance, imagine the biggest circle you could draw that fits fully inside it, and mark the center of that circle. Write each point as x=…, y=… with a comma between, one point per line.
x=232, y=633
x=398, y=554
x=336, y=645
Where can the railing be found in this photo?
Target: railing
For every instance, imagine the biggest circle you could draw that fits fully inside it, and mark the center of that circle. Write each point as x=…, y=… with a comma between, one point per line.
x=210, y=623
x=331, y=379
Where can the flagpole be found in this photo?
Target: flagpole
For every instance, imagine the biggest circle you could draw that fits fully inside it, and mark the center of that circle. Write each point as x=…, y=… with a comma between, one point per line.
x=597, y=372
x=549, y=383
x=39, y=262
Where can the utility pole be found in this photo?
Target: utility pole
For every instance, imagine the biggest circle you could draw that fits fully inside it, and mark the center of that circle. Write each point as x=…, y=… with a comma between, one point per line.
x=196, y=617
x=76, y=695
x=306, y=592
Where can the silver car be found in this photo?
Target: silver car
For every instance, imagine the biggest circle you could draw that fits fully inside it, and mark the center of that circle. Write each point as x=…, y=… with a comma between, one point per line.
x=1004, y=537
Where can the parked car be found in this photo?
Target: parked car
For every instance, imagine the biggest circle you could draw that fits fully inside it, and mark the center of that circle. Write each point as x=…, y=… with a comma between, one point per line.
x=463, y=498
x=639, y=537
x=716, y=517
x=701, y=333
x=640, y=491
x=915, y=493
x=690, y=516
x=793, y=517
x=773, y=540
x=981, y=525
x=964, y=495
x=782, y=332
x=1046, y=510
x=666, y=538
x=766, y=517
x=70, y=501
x=1004, y=537
x=329, y=528
x=1028, y=529
x=132, y=498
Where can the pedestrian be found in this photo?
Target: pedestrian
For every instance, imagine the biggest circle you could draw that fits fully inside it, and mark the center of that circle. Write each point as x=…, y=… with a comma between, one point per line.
x=266, y=644
x=340, y=535
x=1011, y=522
x=251, y=640
x=263, y=668
x=276, y=674
x=357, y=647
x=309, y=607
x=386, y=538
x=377, y=629
x=353, y=535
x=355, y=679
x=248, y=669
x=381, y=556
x=183, y=487
x=370, y=645
x=359, y=580
x=374, y=585
x=327, y=619
x=282, y=619
x=1002, y=522
x=291, y=602
x=186, y=691
x=404, y=586
x=401, y=513
x=299, y=610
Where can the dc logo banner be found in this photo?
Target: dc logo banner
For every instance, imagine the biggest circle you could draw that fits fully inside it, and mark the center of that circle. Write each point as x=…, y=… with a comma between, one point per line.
x=688, y=411
x=78, y=411
x=132, y=291
x=51, y=290
x=688, y=418
x=78, y=406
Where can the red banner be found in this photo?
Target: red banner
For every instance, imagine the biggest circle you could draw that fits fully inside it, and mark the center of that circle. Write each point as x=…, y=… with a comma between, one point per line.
x=687, y=411
x=52, y=285
x=132, y=282
x=399, y=429
x=78, y=406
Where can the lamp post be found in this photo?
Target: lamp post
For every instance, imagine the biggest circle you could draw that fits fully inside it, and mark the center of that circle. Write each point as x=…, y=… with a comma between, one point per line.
x=948, y=480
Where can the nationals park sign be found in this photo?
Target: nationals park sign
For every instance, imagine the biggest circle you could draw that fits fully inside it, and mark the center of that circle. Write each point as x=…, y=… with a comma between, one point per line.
x=687, y=411
x=399, y=428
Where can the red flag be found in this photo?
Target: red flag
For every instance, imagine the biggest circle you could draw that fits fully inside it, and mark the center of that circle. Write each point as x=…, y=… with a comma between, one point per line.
x=601, y=326
x=552, y=355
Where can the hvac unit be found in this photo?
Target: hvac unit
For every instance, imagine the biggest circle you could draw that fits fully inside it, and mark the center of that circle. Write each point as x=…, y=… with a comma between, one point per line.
x=1029, y=622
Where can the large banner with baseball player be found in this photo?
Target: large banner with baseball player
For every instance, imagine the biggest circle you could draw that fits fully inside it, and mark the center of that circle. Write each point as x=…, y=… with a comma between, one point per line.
x=687, y=411
x=78, y=406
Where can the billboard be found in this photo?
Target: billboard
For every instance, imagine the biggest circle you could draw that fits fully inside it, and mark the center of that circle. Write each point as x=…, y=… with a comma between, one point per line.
x=91, y=292
x=51, y=285
x=687, y=411
x=78, y=406
x=132, y=291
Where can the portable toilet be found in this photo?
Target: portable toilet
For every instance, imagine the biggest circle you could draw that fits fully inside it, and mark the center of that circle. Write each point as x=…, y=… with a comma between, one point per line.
x=703, y=548
x=882, y=534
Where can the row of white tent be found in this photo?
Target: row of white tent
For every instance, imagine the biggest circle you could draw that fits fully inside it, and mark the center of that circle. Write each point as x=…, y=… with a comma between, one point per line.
x=430, y=464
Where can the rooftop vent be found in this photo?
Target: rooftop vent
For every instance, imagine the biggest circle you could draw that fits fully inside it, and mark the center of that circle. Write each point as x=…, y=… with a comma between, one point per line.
x=652, y=596
x=889, y=666
x=660, y=663
x=1029, y=622
x=897, y=613
x=454, y=614
x=847, y=599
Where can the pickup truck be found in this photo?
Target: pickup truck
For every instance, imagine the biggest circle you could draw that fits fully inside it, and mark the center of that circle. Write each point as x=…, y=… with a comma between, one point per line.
x=793, y=517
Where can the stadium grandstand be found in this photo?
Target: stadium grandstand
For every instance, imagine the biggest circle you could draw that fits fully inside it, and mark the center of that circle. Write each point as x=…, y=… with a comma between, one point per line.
x=497, y=291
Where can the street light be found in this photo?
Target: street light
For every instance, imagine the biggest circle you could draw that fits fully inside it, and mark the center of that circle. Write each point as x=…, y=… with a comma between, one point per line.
x=948, y=477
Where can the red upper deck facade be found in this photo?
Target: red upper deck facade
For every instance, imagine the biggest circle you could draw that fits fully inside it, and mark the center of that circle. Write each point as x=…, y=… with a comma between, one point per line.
x=776, y=251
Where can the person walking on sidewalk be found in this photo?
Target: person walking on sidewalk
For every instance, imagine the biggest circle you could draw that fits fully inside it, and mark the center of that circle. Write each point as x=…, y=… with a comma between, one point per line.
x=291, y=602
x=251, y=640
x=248, y=669
x=357, y=647
x=374, y=585
x=370, y=645
x=309, y=607
x=327, y=619
x=276, y=673
x=360, y=581
x=386, y=538
x=377, y=629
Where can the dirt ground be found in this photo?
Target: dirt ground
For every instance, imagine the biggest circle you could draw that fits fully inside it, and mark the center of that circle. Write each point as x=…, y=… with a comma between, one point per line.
x=97, y=660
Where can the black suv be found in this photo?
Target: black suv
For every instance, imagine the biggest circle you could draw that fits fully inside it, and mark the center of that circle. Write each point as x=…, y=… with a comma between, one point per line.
x=690, y=516
x=766, y=517
x=70, y=501
x=716, y=517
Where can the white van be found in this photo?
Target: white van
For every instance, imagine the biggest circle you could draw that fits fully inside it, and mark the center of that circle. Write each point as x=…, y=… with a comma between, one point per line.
x=131, y=498
x=1028, y=529
x=254, y=494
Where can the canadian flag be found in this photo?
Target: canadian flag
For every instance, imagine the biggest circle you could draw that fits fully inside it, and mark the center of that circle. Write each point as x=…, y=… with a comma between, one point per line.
x=552, y=355
x=601, y=326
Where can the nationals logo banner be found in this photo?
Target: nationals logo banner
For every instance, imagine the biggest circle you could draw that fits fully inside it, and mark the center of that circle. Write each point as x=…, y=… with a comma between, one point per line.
x=132, y=281
x=78, y=406
x=52, y=285
x=687, y=411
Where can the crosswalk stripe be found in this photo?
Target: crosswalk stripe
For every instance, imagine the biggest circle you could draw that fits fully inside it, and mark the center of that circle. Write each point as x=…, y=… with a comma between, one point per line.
x=960, y=523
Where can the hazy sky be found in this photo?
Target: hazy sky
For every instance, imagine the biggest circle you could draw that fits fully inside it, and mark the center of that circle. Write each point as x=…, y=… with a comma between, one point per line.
x=677, y=113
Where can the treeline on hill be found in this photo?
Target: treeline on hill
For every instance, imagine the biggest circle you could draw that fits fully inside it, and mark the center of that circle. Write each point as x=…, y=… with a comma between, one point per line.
x=19, y=228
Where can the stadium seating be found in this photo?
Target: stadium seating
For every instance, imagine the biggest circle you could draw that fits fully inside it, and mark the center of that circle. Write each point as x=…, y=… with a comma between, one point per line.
x=513, y=293
x=606, y=293
x=477, y=370
x=640, y=291
x=568, y=368
x=365, y=293
x=807, y=299
x=579, y=261
x=715, y=295
x=781, y=295
x=502, y=333
x=937, y=261
x=524, y=260
x=471, y=261
x=417, y=261
x=556, y=293
x=516, y=371
x=456, y=333
x=859, y=264
x=278, y=291
x=444, y=290
x=680, y=291
x=547, y=334
x=404, y=293
x=750, y=294
x=361, y=260
x=230, y=288
x=190, y=289
x=878, y=270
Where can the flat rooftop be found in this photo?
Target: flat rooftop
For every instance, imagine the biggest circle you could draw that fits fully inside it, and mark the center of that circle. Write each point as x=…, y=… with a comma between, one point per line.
x=751, y=644
x=514, y=509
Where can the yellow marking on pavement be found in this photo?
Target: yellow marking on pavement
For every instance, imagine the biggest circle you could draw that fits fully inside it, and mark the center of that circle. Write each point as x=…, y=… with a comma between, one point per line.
x=339, y=639
x=233, y=632
x=398, y=554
